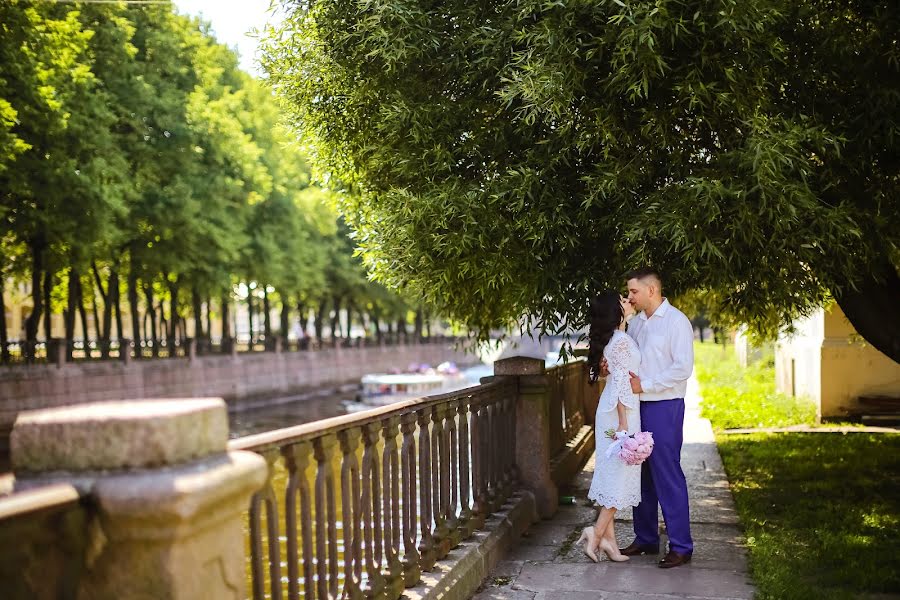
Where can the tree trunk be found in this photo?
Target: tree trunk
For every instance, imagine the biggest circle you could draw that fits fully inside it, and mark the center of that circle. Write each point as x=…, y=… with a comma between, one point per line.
x=133, y=309
x=69, y=314
x=376, y=323
x=267, y=316
x=226, y=326
x=401, y=329
x=83, y=313
x=302, y=315
x=151, y=312
x=97, y=333
x=336, y=317
x=250, y=316
x=872, y=308
x=34, y=319
x=103, y=332
x=417, y=328
x=174, y=316
x=285, y=322
x=208, y=335
x=48, y=287
x=116, y=298
x=197, y=309
x=4, y=340
x=319, y=320
x=351, y=308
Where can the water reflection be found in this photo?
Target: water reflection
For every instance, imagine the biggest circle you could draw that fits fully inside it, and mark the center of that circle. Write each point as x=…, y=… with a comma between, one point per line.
x=281, y=412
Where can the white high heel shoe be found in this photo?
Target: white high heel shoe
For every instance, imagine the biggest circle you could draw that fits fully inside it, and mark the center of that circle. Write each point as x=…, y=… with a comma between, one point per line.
x=612, y=552
x=587, y=536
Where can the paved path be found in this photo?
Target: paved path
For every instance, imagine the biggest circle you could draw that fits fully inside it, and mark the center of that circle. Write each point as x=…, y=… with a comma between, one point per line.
x=547, y=566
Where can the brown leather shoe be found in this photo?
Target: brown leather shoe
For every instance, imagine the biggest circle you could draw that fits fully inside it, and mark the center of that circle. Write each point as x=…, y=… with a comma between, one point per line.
x=674, y=559
x=636, y=549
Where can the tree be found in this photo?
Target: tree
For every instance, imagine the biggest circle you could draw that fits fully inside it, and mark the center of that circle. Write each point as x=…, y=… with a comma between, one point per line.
x=61, y=191
x=504, y=159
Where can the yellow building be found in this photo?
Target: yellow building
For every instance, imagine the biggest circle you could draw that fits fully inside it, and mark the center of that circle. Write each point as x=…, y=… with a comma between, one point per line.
x=828, y=361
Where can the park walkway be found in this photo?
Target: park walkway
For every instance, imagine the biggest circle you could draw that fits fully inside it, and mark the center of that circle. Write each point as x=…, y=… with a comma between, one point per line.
x=546, y=565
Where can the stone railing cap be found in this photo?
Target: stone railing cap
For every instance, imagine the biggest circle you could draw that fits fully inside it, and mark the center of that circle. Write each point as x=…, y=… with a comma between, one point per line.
x=118, y=435
x=519, y=365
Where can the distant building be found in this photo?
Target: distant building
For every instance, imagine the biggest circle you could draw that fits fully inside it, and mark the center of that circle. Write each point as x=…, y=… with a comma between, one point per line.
x=828, y=361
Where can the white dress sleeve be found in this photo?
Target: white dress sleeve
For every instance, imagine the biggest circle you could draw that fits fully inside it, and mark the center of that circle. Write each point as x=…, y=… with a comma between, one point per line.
x=618, y=357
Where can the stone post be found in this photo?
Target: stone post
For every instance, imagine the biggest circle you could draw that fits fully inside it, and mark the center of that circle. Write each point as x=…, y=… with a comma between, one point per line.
x=167, y=501
x=56, y=351
x=125, y=350
x=532, y=429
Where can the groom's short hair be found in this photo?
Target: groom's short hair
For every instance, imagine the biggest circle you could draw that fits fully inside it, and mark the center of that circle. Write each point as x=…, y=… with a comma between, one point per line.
x=644, y=273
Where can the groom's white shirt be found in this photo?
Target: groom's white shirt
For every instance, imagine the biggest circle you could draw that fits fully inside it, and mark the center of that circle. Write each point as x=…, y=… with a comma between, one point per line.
x=666, y=341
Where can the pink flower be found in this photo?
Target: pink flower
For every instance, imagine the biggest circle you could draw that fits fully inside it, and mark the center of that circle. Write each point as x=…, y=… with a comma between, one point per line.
x=636, y=448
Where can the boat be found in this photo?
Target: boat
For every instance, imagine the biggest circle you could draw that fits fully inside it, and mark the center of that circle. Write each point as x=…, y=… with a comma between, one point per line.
x=381, y=389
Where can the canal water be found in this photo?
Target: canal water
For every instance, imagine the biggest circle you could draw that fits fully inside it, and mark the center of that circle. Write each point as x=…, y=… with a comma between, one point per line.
x=286, y=411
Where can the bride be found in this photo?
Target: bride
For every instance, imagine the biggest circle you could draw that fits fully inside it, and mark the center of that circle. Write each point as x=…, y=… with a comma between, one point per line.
x=615, y=485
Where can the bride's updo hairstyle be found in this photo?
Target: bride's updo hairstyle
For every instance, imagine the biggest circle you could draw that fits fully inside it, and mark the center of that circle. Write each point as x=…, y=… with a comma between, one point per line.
x=605, y=314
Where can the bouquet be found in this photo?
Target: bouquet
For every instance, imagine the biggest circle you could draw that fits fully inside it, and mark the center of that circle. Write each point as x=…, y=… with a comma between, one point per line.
x=633, y=449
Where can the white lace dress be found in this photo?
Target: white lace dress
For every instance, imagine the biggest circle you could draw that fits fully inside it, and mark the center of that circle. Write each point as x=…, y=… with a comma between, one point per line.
x=616, y=484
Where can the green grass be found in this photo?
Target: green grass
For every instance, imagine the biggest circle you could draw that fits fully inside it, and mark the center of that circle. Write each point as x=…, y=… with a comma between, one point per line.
x=737, y=397
x=821, y=512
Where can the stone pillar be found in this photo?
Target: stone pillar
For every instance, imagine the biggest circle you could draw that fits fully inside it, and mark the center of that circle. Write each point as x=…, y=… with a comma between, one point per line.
x=125, y=350
x=167, y=501
x=532, y=429
x=56, y=351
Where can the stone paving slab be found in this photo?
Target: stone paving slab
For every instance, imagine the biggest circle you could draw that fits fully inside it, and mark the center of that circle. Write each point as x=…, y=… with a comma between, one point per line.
x=614, y=596
x=547, y=565
x=610, y=577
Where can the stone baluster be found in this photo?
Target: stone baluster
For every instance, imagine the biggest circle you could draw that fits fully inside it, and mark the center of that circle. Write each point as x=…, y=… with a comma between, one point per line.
x=297, y=459
x=464, y=445
x=453, y=503
x=390, y=474
x=410, y=557
x=374, y=584
x=439, y=485
x=427, y=551
x=264, y=501
x=326, y=534
x=350, y=512
x=479, y=468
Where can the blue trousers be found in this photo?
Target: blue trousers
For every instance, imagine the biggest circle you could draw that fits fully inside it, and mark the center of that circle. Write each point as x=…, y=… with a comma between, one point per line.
x=662, y=480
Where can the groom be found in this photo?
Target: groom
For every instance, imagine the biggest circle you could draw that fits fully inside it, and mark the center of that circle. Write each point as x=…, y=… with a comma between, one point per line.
x=666, y=340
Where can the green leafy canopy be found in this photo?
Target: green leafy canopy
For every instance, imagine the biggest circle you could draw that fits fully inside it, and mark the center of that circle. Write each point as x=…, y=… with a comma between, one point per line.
x=502, y=159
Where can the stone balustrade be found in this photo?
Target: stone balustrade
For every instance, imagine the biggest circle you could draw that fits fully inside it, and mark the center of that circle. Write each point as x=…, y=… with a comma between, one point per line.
x=365, y=505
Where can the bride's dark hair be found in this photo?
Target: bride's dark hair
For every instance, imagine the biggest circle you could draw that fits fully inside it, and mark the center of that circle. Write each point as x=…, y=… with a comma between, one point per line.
x=605, y=314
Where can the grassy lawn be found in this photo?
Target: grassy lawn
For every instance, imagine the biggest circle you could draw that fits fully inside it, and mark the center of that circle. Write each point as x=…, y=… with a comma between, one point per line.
x=736, y=397
x=821, y=511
